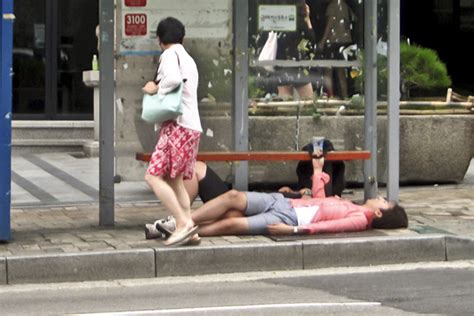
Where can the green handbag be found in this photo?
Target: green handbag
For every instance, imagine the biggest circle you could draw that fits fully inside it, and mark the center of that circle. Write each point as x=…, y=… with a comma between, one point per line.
x=158, y=108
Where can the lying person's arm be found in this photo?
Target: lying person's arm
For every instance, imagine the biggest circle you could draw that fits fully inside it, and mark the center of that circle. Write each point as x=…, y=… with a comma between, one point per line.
x=303, y=193
x=354, y=223
x=349, y=224
x=319, y=178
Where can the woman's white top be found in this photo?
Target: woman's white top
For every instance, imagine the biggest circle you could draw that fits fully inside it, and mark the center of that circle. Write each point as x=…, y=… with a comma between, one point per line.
x=171, y=73
x=305, y=214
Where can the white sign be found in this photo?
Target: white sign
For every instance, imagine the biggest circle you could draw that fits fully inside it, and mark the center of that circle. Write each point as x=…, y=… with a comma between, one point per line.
x=277, y=18
x=139, y=19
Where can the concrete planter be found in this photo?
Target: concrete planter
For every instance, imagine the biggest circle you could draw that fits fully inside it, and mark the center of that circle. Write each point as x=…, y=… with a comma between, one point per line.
x=433, y=149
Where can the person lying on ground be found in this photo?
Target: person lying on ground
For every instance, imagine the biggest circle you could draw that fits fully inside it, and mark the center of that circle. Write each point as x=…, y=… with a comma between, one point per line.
x=238, y=213
x=206, y=184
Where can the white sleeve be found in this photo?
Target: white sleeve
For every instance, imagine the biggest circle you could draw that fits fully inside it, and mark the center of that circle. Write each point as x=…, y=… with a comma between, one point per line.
x=169, y=73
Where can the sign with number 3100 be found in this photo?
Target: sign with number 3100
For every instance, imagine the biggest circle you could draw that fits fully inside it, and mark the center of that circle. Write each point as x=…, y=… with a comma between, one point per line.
x=135, y=24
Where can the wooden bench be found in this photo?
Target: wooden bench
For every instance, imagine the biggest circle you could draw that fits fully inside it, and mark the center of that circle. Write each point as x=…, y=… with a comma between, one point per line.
x=272, y=156
x=268, y=155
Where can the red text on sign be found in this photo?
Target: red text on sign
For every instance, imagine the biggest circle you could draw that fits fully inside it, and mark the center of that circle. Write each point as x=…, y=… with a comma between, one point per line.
x=135, y=24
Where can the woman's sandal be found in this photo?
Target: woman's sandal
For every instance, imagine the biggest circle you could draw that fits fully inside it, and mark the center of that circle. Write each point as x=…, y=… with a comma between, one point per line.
x=195, y=240
x=181, y=237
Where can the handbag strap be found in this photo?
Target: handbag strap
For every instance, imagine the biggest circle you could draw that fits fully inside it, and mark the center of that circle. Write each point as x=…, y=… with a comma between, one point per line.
x=179, y=65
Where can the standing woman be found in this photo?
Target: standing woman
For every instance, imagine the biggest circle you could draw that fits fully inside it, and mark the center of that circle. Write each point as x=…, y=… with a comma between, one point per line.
x=175, y=153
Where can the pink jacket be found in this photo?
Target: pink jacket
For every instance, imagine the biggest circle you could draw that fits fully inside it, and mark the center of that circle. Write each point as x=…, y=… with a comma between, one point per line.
x=335, y=215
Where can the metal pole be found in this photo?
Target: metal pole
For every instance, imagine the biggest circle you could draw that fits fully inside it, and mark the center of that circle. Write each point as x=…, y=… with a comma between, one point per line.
x=106, y=128
x=393, y=110
x=240, y=90
x=370, y=92
x=6, y=33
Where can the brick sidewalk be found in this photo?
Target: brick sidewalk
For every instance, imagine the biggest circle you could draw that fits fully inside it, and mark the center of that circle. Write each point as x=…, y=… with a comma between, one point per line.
x=71, y=229
x=65, y=244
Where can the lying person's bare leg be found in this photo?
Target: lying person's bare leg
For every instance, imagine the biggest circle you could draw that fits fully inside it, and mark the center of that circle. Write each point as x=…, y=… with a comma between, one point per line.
x=214, y=209
x=211, y=215
x=227, y=226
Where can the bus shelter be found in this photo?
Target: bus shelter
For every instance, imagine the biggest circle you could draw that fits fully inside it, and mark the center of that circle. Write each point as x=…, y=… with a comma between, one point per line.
x=241, y=64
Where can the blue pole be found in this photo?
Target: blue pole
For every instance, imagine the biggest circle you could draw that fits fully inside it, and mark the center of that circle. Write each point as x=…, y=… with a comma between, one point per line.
x=6, y=35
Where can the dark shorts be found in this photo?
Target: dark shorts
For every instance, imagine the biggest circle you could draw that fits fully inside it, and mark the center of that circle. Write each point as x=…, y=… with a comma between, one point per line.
x=211, y=186
x=291, y=76
x=268, y=208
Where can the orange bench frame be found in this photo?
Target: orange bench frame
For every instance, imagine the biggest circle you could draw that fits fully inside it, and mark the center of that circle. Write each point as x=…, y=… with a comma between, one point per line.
x=269, y=155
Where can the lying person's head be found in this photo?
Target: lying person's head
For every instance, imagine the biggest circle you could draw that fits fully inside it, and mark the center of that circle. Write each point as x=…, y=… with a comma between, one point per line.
x=387, y=214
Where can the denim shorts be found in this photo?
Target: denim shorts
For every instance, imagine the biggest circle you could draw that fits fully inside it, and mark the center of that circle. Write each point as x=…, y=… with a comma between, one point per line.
x=268, y=208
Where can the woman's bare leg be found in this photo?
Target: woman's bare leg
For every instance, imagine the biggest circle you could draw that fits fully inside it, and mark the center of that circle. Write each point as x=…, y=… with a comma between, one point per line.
x=177, y=184
x=192, y=188
x=164, y=191
x=192, y=185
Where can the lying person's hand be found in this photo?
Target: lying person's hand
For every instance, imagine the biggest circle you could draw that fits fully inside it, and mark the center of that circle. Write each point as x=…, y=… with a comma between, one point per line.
x=280, y=229
x=285, y=190
x=306, y=193
x=150, y=88
x=318, y=164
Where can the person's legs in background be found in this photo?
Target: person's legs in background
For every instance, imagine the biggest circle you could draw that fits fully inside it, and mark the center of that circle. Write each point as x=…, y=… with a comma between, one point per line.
x=285, y=92
x=305, y=91
x=342, y=79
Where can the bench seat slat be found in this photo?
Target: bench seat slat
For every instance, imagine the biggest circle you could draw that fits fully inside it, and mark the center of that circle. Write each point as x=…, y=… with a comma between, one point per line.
x=269, y=155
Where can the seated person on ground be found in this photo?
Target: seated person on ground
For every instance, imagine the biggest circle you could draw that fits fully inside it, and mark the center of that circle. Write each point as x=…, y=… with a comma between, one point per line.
x=236, y=213
x=304, y=171
x=208, y=185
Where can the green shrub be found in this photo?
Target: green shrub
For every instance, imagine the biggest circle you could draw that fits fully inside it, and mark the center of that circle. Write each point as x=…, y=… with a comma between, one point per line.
x=420, y=68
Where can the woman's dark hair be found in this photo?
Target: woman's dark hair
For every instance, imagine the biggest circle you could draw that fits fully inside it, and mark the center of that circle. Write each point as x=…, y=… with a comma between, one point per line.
x=170, y=31
x=394, y=217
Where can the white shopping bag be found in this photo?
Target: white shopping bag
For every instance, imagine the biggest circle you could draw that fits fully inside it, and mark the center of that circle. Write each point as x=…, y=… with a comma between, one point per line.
x=269, y=50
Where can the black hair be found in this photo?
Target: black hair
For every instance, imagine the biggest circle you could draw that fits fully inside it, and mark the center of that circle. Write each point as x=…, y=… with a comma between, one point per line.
x=394, y=217
x=170, y=31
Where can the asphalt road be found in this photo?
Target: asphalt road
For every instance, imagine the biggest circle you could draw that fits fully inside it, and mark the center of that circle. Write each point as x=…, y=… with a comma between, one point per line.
x=445, y=288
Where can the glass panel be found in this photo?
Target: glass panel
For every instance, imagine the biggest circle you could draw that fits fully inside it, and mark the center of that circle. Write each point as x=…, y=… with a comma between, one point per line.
x=29, y=57
x=322, y=34
x=77, y=44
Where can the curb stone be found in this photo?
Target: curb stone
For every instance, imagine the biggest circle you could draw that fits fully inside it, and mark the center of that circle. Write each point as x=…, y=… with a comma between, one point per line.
x=82, y=267
x=295, y=255
x=373, y=251
x=3, y=270
x=229, y=258
x=459, y=248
